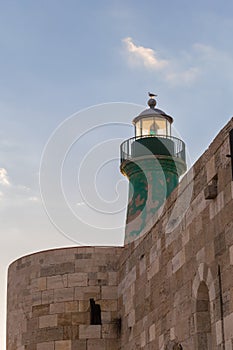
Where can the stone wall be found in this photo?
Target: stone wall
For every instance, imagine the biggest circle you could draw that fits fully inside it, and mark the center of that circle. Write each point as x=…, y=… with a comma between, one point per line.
x=48, y=300
x=176, y=283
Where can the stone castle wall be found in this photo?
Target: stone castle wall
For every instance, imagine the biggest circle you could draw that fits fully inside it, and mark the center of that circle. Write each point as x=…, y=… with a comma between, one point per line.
x=172, y=286
x=48, y=300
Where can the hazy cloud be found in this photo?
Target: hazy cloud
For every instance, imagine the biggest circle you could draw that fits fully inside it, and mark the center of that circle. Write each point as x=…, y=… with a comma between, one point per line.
x=209, y=54
x=138, y=55
x=174, y=71
x=187, y=76
x=13, y=195
x=4, y=180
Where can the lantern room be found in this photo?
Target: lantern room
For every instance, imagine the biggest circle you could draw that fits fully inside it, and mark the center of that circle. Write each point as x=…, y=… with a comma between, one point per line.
x=152, y=122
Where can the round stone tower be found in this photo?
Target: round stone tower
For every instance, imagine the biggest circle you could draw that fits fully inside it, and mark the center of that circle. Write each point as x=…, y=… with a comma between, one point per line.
x=153, y=161
x=64, y=299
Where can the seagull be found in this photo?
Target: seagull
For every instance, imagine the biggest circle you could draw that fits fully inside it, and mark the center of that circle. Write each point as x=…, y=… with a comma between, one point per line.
x=151, y=94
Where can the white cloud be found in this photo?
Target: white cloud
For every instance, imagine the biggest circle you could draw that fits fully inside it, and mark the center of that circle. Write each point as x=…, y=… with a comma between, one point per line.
x=176, y=71
x=12, y=195
x=138, y=55
x=4, y=180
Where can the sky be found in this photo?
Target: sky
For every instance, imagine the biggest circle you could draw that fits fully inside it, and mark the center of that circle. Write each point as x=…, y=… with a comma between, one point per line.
x=73, y=75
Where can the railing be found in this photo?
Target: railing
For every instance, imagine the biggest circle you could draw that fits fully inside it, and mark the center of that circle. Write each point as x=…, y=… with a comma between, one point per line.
x=128, y=147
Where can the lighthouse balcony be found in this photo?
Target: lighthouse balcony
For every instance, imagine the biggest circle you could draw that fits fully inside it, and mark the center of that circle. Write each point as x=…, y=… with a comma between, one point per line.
x=151, y=145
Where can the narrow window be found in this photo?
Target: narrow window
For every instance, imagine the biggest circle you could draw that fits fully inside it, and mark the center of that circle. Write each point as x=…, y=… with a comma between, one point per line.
x=203, y=323
x=95, y=313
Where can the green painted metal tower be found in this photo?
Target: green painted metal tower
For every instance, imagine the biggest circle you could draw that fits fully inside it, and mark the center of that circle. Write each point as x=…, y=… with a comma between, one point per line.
x=153, y=161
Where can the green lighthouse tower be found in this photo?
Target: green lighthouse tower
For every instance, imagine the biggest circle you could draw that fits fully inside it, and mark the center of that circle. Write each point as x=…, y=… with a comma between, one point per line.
x=153, y=161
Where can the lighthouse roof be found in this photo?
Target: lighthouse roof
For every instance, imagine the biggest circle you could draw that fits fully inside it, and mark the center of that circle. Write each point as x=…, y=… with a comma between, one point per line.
x=153, y=112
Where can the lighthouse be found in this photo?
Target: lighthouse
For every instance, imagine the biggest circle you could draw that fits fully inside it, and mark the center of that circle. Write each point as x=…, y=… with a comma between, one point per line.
x=152, y=160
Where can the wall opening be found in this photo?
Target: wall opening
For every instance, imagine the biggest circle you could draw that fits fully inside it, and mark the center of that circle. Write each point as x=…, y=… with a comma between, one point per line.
x=203, y=322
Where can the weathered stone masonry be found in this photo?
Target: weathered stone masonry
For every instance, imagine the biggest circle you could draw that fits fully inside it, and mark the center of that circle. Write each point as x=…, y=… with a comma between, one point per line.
x=169, y=287
x=48, y=299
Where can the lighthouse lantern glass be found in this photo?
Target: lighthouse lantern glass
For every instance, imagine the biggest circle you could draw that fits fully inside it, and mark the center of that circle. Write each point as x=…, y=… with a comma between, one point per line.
x=153, y=126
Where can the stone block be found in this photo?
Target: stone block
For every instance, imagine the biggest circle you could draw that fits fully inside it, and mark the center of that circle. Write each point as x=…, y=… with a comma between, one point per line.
x=112, y=278
x=143, y=339
x=219, y=244
x=55, y=282
x=185, y=237
x=43, y=335
x=172, y=333
x=161, y=341
x=153, y=268
x=109, y=331
x=108, y=305
x=89, y=331
x=64, y=319
x=131, y=318
x=78, y=279
x=112, y=344
x=45, y=346
x=71, y=306
x=97, y=344
x=64, y=294
x=80, y=318
x=47, y=321
x=32, y=324
x=79, y=345
x=47, y=296
x=87, y=293
x=83, y=256
x=178, y=261
x=219, y=332
x=47, y=271
x=70, y=332
x=210, y=169
x=63, y=268
x=63, y=345
x=152, y=332
x=228, y=345
x=38, y=284
x=142, y=265
x=231, y=254
x=57, y=308
x=36, y=298
x=109, y=292
x=228, y=322
x=83, y=305
x=85, y=265
x=40, y=310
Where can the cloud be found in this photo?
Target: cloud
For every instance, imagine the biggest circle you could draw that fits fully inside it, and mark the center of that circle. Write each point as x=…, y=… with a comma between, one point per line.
x=12, y=195
x=187, y=76
x=175, y=71
x=138, y=55
x=207, y=54
x=4, y=180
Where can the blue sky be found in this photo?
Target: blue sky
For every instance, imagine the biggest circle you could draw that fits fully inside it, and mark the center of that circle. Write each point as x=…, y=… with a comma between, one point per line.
x=58, y=58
